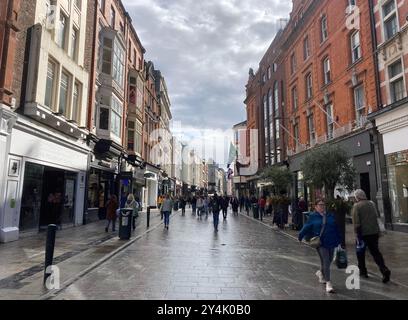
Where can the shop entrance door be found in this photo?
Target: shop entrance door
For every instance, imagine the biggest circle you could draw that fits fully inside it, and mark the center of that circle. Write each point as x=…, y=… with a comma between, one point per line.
x=52, y=197
x=68, y=211
x=365, y=184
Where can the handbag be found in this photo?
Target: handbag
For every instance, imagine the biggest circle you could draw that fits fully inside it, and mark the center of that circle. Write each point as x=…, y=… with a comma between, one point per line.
x=315, y=242
x=341, y=258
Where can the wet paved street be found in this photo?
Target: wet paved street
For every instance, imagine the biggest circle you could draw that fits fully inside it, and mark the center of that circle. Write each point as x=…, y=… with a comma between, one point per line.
x=244, y=260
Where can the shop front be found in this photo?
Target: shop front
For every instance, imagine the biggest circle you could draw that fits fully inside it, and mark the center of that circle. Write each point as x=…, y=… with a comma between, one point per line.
x=151, y=191
x=44, y=180
x=392, y=124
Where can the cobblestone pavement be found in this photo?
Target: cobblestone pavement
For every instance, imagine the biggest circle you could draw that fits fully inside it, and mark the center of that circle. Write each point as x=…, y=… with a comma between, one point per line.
x=244, y=260
x=76, y=249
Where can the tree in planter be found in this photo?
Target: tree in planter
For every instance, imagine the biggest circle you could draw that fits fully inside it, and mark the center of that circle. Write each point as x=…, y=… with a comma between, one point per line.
x=327, y=166
x=281, y=178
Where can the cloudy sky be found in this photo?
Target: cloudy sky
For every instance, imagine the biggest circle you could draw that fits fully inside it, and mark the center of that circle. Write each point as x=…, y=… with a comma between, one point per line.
x=204, y=50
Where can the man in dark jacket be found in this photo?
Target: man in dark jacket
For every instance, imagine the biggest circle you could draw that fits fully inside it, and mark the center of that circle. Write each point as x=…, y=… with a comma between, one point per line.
x=215, y=205
x=367, y=231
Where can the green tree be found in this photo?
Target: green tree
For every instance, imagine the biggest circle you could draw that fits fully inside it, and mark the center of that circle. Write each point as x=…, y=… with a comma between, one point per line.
x=280, y=177
x=328, y=166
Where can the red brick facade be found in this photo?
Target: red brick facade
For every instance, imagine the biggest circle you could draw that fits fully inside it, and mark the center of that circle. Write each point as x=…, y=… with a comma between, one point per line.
x=328, y=29
x=9, y=13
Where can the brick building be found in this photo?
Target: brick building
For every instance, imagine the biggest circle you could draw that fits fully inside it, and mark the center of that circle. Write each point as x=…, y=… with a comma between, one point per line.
x=330, y=94
x=390, y=19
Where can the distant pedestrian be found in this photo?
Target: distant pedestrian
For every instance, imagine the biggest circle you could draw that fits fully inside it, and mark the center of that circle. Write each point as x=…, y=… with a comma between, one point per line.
x=224, y=206
x=206, y=206
x=194, y=204
x=183, y=203
x=200, y=206
x=215, y=205
x=262, y=205
x=367, y=233
x=323, y=225
x=131, y=203
x=235, y=205
x=167, y=207
x=111, y=206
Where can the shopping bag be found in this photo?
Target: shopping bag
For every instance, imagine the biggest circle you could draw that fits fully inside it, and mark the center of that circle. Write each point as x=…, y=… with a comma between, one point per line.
x=341, y=258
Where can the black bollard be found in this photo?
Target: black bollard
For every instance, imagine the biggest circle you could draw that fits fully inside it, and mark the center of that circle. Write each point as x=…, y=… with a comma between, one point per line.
x=49, y=249
x=148, y=217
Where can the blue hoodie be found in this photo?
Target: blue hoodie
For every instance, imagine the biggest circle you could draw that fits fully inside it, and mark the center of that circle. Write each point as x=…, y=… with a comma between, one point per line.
x=330, y=237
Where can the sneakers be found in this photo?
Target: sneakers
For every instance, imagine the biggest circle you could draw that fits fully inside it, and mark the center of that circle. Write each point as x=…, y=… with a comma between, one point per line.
x=329, y=287
x=386, y=276
x=319, y=274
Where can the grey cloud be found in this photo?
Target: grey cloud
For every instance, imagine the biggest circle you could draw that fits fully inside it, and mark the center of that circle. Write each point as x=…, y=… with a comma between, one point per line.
x=204, y=49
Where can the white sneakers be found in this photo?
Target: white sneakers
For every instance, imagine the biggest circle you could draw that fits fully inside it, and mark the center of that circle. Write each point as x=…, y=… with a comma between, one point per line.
x=319, y=274
x=329, y=287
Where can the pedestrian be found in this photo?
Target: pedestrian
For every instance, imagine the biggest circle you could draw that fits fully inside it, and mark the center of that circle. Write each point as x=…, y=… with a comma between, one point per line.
x=224, y=206
x=241, y=203
x=167, y=207
x=206, y=205
x=323, y=226
x=131, y=203
x=367, y=231
x=111, y=206
x=215, y=205
x=183, y=202
x=101, y=204
x=262, y=204
x=247, y=205
x=194, y=204
x=200, y=206
x=235, y=205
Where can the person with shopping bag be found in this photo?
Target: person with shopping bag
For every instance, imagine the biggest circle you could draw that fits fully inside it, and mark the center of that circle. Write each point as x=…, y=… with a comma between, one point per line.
x=367, y=232
x=324, y=236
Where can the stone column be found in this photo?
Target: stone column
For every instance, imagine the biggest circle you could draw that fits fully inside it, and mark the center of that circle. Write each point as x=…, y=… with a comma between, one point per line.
x=8, y=229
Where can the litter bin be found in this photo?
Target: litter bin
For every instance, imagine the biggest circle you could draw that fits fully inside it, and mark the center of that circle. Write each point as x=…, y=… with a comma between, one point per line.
x=255, y=210
x=125, y=224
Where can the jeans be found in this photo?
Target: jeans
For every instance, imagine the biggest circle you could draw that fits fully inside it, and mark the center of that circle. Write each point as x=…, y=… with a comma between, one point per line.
x=113, y=224
x=216, y=218
x=371, y=242
x=166, y=217
x=326, y=257
x=224, y=213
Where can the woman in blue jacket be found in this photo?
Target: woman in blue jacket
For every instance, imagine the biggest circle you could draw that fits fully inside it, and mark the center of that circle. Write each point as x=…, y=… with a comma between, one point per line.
x=329, y=240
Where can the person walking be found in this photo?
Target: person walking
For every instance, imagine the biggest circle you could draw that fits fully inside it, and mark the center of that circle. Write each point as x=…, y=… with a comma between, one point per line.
x=235, y=205
x=367, y=231
x=224, y=206
x=322, y=225
x=131, y=203
x=167, y=207
x=111, y=206
x=200, y=207
x=262, y=204
x=183, y=203
x=216, y=206
x=194, y=204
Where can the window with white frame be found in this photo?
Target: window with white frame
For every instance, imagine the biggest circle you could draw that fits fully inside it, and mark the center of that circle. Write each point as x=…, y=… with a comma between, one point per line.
x=131, y=130
x=330, y=121
x=62, y=31
x=277, y=129
x=74, y=44
x=355, y=46
x=306, y=48
x=276, y=98
x=296, y=134
x=107, y=56
x=309, y=86
x=116, y=117
x=324, y=33
x=270, y=102
x=64, y=92
x=350, y=6
x=390, y=19
x=359, y=103
x=293, y=63
x=396, y=77
x=50, y=84
x=311, y=129
x=295, y=100
x=326, y=71
x=76, y=101
x=118, y=64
